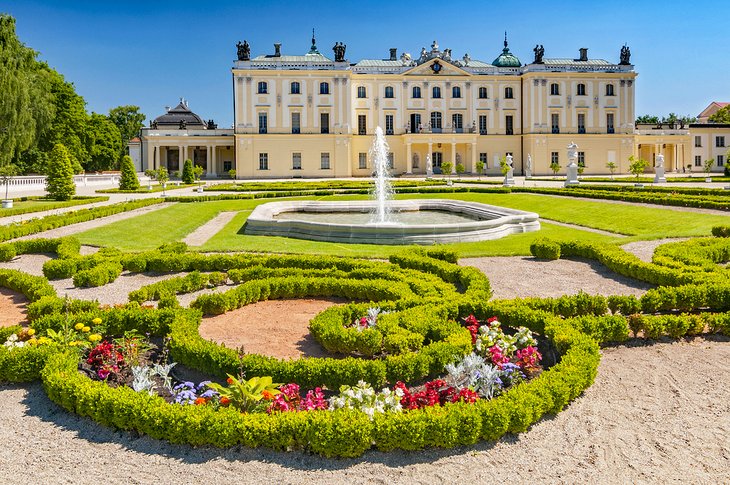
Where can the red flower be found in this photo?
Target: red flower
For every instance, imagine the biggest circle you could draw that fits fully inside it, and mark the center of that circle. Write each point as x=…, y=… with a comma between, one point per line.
x=225, y=401
x=200, y=401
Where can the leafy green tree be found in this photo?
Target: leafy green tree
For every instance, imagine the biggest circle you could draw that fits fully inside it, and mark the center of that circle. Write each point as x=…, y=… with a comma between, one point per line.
x=446, y=169
x=26, y=106
x=611, y=166
x=480, y=168
x=722, y=115
x=60, y=182
x=188, y=177
x=128, y=120
x=647, y=120
x=555, y=167
x=637, y=166
x=105, y=144
x=128, y=180
x=460, y=169
x=707, y=166
x=232, y=173
x=162, y=176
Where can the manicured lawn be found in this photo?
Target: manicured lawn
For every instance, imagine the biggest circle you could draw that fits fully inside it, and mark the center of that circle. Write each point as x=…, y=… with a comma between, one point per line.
x=40, y=204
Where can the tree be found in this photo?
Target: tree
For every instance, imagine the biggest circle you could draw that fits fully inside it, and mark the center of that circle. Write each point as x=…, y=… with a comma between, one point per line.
x=611, y=166
x=637, y=166
x=555, y=167
x=707, y=166
x=647, y=120
x=128, y=120
x=60, y=182
x=232, y=174
x=446, y=169
x=26, y=106
x=722, y=115
x=480, y=168
x=128, y=180
x=104, y=143
x=503, y=165
x=6, y=174
x=460, y=169
x=162, y=176
x=188, y=177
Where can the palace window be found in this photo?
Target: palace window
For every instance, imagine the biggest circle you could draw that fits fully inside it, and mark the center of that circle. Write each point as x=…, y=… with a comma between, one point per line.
x=388, y=124
x=436, y=122
x=609, y=90
x=415, y=161
x=509, y=124
x=483, y=93
x=324, y=161
x=555, y=89
x=263, y=87
x=391, y=160
x=263, y=161
x=609, y=123
x=482, y=124
x=362, y=125
x=698, y=141
x=296, y=161
x=720, y=159
x=457, y=121
x=582, y=159
x=324, y=122
x=698, y=161
x=508, y=93
x=389, y=91
x=361, y=92
x=581, y=91
x=296, y=123
x=483, y=158
x=324, y=88
x=719, y=141
x=416, y=92
x=227, y=166
x=362, y=158
x=436, y=92
x=294, y=88
x=456, y=92
x=554, y=157
x=581, y=123
x=263, y=123
x=555, y=122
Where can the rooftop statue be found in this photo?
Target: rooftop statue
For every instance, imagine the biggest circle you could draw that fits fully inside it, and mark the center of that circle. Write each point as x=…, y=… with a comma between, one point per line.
x=539, y=53
x=244, y=51
x=339, y=50
x=625, y=55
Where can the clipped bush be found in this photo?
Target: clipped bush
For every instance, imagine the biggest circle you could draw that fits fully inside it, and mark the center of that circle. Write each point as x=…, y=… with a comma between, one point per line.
x=60, y=180
x=99, y=275
x=7, y=252
x=188, y=177
x=721, y=231
x=545, y=249
x=128, y=179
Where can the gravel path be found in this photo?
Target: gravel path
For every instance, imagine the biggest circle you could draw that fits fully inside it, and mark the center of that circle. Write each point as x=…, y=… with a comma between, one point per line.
x=201, y=235
x=656, y=414
x=523, y=277
x=644, y=250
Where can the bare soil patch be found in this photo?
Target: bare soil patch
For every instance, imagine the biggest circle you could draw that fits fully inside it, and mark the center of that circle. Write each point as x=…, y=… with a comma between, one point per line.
x=13, y=309
x=277, y=328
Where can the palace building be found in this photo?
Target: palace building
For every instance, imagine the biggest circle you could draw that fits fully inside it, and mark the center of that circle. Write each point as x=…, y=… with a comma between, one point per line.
x=312, y=116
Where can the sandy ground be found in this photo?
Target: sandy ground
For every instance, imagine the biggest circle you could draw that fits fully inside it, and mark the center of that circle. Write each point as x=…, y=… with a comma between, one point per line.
x=512, y=277
x=656, y=414
x=644, y=250
x=12, y=308
x=278, y=328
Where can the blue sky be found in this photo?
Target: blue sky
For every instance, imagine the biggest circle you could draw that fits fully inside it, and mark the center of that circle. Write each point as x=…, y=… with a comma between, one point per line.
x=151, y=53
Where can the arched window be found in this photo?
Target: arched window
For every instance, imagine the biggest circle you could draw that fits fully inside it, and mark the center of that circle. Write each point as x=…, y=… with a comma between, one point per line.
x=609, y=89
x=581, y=90
x=436, y=121
x=263, y=87
x=388, y=91
x=416, y=92
x=324, y=88
x=361, y=93
x=294, y=88
x=555, y=89
x=456, y=92
x=436, y=92
x=508, y=94
x=483, y=93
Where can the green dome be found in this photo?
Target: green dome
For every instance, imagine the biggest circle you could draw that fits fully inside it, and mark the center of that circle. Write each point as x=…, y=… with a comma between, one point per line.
x=506, y=58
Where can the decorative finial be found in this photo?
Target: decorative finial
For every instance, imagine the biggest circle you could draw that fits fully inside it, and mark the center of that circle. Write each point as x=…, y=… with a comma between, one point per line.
x=505, y=39
x=313, y=49
x=313, y=41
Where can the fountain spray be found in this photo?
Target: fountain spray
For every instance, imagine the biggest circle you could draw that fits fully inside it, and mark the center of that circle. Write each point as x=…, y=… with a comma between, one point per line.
x=383, y=189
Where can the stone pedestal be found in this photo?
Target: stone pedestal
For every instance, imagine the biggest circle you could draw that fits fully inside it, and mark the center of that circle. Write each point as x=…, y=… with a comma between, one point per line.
x=659, y=177
x=509, y=178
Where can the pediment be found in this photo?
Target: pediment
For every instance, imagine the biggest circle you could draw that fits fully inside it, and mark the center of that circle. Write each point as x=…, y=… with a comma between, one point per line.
x=445, y=69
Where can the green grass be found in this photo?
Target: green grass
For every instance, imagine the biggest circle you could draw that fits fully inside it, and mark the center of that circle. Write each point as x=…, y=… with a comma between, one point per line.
x=26, y=205
x=173, y=223
x=699, y=177
x=143, y=189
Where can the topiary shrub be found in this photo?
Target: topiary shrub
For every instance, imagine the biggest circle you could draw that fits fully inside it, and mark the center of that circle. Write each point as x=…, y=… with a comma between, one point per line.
x=60, y=180
x=188, y=176
x=128, y=180
x=721, y=231
x=545, y=249
x=7, y=252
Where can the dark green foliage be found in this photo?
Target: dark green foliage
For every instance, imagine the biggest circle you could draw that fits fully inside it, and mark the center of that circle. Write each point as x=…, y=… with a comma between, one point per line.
x=99, y=275
x=7, y=252
x=187, y=174
x=545, y=249
x=721, y=231
x=60, y=182
x=128, y=179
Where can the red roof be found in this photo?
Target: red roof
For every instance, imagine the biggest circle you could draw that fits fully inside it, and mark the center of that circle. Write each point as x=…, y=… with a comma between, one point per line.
x=135, y=139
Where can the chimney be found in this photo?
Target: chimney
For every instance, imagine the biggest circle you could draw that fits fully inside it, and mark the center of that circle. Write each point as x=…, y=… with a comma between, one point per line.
x=393, y=54
x=277, y=49
x=583, y=54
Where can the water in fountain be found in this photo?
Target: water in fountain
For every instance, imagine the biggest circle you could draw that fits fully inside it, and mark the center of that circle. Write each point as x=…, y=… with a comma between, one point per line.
x=383, y=188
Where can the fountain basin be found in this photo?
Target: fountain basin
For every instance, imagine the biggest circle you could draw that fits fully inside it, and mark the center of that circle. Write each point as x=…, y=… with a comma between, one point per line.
x=322, y=221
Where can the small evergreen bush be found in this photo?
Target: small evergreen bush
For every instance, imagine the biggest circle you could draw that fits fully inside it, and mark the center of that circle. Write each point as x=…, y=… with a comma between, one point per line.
x=60, y=181
x=188, y=176
x=128, y=180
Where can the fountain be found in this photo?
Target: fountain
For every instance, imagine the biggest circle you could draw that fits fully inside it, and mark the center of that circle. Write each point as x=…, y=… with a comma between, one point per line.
x=384, y=220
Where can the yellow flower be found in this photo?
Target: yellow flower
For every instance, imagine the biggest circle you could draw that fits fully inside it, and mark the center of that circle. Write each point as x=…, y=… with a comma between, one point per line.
x=33, y=342
x=30, y=332
x=96, y=321
x=79, y=326
x=72, y=344
x=94, y=337
x=43, y=340
x=86, y=329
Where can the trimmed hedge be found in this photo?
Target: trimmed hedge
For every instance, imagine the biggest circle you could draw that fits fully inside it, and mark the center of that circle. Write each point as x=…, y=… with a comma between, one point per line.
x=544, y=248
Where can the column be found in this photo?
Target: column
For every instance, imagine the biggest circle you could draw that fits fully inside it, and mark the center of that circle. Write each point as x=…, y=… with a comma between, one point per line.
x=180, y=158
x=207, y=160
x=473, y=168
x=409, y=159
x=453, y=158
x=156, y=159
x=213, y=169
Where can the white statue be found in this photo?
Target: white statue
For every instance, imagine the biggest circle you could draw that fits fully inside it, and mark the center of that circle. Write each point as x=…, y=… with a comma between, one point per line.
x=509, y=177
x=429, y=166
x=660, y=161
x=528, y=167
x=572, y=153
x=659, y=177
x=572, y=168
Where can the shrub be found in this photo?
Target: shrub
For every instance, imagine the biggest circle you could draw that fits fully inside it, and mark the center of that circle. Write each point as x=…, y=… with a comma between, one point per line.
x=545, y=249
x=99, y=275
x=721, y=231
x=60, y=181
x=7, y=252
x=188, y=176
x=128, y=179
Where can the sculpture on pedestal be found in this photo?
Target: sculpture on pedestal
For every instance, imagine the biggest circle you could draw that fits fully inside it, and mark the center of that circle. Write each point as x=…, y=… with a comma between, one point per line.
x=528, y=167
x=659, y=177
x=509, y=176
x=244, y=51
x=572, y=168
x=539, y=51
x=429, y=166
x=339, y=50
x=625, y=56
